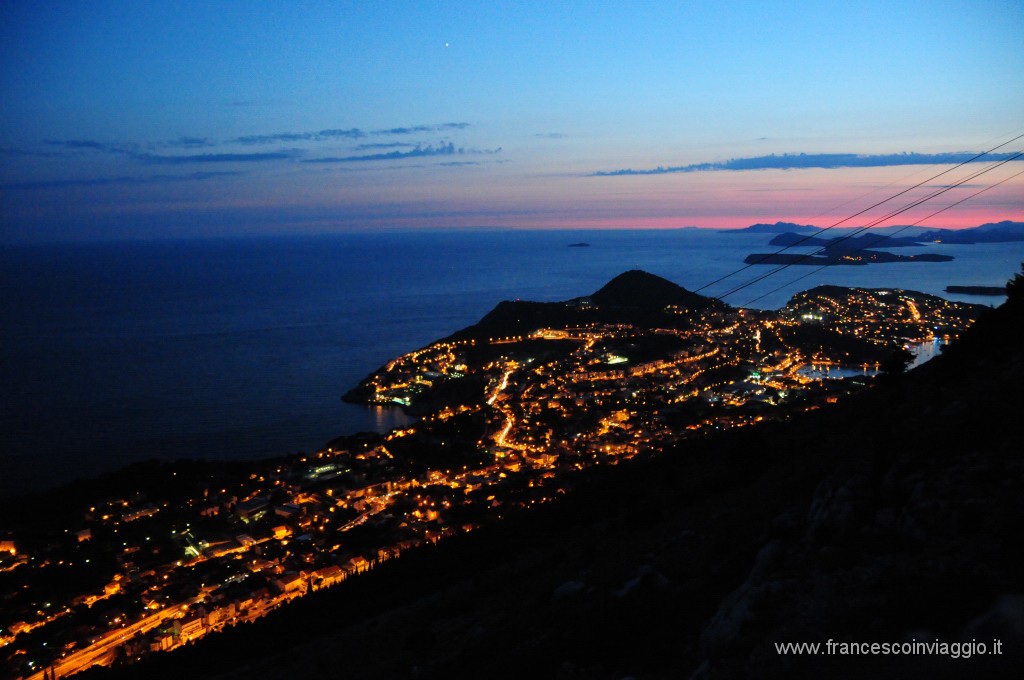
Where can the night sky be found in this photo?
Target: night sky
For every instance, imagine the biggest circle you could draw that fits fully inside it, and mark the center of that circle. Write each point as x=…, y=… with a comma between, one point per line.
x=184, y=119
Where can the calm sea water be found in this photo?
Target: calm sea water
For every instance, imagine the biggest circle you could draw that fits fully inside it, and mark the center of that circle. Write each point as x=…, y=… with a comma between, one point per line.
x=239, y=349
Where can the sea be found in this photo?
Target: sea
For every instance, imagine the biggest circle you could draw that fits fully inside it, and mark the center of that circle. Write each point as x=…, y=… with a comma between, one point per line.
x=235, y=349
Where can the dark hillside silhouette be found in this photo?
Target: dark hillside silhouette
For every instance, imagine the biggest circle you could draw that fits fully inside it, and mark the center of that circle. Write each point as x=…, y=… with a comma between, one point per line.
x=894, y=515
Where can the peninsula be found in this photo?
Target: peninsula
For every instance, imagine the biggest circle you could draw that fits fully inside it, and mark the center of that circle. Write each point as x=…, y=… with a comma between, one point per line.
x=515, y=412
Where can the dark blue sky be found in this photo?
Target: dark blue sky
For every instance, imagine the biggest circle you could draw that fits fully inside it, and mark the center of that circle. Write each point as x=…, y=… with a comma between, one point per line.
x=140, y=120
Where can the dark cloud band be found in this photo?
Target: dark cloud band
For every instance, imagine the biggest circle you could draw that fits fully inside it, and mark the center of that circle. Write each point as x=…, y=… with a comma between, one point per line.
x=215, y=158
x=448, y=149
x=350, y=133
x=819, y=160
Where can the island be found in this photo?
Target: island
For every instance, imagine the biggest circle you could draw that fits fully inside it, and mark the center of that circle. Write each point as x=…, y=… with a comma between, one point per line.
x=976, y=290
x=777, y=228
x=845, y=243
x=832, y=258
x=842, y=250
x=581, y=244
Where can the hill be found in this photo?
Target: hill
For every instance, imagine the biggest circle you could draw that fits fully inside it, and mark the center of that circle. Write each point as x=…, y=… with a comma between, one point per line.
x=636, y=289
x=777, y=228
x=634, y=296
x=992, y=232
x=697, y=562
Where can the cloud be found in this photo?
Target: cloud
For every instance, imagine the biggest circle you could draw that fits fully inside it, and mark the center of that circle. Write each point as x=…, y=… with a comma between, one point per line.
x=551, y=135
x=385, y=145
x=195, y=142
x=344, y=133
x=350, y=133
x=215, y=158
x=135, y=151
x=273, y=139
x=78, y=144
x=405, y=130
x=16, y=152
x=422, y=128
x=820, y=160
x=322, y=135
x=459, y=164
x=190, y=143
x=418, y=152
x=192, y=176
x=109, y=181
x=448, y=149
x=91, y=145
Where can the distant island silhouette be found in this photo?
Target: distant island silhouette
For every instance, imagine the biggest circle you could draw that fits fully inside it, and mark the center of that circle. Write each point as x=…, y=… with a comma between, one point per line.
x=977, y=290
x=777, y=228
x=1007, y=231
x=829, y=257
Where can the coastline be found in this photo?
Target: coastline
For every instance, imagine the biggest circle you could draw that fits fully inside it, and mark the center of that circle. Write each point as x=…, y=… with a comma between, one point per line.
x=125, y=352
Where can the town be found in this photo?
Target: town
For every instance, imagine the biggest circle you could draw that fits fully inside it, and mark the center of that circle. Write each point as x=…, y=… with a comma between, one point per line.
x=509, y=412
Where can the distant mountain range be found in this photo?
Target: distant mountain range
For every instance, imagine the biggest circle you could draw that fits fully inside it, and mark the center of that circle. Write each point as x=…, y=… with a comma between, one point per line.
x=1006, y=231
x=992, y=232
